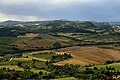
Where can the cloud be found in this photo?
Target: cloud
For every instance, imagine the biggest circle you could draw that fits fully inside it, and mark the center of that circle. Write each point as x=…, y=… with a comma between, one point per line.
x=4, y=17
x=99, y=10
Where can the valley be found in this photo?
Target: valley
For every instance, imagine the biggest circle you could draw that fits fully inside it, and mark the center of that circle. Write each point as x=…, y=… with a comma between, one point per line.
x=49, y=49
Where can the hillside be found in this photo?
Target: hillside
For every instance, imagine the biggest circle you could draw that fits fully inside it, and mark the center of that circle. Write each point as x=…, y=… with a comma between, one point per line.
x=68, y=33
x=59, y=49
x=89, y=55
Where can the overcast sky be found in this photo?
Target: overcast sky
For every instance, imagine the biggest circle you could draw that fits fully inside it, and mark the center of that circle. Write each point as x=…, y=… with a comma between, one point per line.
x=32, y=10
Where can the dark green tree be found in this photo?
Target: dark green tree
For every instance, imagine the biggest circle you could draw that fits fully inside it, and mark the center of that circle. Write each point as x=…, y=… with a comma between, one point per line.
x=57, y=45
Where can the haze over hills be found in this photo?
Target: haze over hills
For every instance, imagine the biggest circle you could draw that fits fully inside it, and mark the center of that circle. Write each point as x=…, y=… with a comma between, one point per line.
x=11, y=22
x=115, y=23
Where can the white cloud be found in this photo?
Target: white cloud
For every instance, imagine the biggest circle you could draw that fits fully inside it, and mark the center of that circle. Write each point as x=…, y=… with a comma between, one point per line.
x=4, y=17
x=12, y=2
x=47, y=2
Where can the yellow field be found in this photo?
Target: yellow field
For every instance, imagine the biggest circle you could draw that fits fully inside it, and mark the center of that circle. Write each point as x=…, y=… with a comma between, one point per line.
x=21, y=59
x=12, y=67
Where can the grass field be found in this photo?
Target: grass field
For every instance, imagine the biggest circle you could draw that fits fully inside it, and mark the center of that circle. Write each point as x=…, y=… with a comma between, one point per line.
x=115, y=65
x=38, y=70
x=44, y=55
x=39, y=63
x=13, y=62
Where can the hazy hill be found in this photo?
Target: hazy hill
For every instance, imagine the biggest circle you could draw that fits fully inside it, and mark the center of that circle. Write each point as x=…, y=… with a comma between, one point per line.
x=68, y=33
x=10, y=22
x=115, y=23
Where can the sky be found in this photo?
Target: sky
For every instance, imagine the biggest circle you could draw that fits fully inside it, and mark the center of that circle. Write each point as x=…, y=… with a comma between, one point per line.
x=77, y=10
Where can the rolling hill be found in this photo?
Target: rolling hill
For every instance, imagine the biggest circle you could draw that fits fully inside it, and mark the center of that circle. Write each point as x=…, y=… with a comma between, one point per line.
x=89, y=55
x=79, y=33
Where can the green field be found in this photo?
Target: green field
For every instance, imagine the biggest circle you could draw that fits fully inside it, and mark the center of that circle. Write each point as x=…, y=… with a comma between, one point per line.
x=34, y=70
x=13, y=62
x=44, y=55
x=39, y=63
x=115, y=65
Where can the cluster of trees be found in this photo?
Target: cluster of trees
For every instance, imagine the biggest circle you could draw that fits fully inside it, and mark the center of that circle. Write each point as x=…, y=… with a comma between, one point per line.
x=67, y=70
x=110, y=62
x=107, y=73
x=57, y=45
x=25, y=65
x=62, y=71
x=32, y=64
x=60, y=57
x=4, y=59
x=56, y=71
x=7, y=74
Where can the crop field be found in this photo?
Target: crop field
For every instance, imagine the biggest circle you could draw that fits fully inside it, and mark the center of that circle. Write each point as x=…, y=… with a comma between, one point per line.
x=44, y=55
x=21, y=59
x=12, y=67
x=89, y=55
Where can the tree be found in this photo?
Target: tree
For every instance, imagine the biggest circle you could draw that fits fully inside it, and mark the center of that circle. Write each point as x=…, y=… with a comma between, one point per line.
x=46, y=62
x=19, y=64
x=57, y=45
x=40, y=73
x=95, y=68
x=4, y=68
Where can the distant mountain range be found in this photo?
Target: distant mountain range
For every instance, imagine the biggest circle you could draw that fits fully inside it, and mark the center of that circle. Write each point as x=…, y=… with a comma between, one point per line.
x=10, y=22
x=115, y=23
